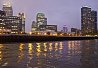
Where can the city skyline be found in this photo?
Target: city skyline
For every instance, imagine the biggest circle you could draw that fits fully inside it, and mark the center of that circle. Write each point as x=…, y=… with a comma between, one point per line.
x=57, y=12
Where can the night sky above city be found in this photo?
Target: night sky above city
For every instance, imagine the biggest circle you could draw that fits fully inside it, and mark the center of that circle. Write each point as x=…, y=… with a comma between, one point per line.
x=58, y=12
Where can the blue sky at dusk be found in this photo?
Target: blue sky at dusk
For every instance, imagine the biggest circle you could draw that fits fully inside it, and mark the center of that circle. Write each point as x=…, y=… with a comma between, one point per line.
x=59, y=12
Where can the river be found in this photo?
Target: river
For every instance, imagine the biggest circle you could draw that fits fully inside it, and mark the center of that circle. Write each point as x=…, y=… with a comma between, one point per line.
x=57, y=54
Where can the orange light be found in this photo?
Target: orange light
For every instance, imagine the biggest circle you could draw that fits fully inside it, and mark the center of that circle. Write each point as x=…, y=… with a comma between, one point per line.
x=30, y=33
x=45, y=33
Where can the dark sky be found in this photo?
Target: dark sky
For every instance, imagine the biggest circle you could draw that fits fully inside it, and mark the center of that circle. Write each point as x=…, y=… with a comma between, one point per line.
x=59, y=12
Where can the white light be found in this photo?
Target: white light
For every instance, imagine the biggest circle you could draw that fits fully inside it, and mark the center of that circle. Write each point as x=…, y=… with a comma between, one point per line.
x=7, y=3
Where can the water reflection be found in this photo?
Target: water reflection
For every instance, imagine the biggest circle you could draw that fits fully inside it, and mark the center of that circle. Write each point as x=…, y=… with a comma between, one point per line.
x=74, y=47
x=73, y=54
x=8, y=55
x=89, y=56
x=30, y=55
x=21, y=52
x=1, y=55
x=44, y=52
x=66, y=54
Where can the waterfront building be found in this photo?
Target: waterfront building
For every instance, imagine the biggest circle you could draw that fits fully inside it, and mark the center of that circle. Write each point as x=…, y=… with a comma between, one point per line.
x=22, y=20
x=88, y=21
x=48, y=28
x=41, y=20
x=3, y=28
x=7, y=7
x=10, y=24
x=94, y=20
x=14, y=23
x=34, y=27
x=65, y=29
x=75, y=30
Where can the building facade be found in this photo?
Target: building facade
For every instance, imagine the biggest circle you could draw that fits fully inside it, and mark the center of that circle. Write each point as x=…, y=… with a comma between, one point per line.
x=10, y=24
x=88, y=21
x=22, y=20
x=40, y=20
x=3, y=28
x=7, y=7
x=94, y=20
x=34, y=27
x=14, y=24
x=76, y=31
x=65, y=29
x=48, y=28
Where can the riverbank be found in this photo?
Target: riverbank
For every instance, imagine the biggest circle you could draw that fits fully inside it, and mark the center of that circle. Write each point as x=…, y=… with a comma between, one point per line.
x=32, y=38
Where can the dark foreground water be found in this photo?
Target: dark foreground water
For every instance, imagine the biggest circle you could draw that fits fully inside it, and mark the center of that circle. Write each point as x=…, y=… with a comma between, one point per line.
x=63, y=54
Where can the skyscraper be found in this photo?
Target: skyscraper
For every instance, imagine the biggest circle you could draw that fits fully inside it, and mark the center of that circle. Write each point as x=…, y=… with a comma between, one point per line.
x=7, y=7
x=94, y=20
x=41, y=20
x=22, y=20
x=2, y=23
x=88, y=21
x=34, y=27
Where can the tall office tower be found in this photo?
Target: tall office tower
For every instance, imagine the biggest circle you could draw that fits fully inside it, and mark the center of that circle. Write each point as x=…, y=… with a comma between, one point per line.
x=2, y=23
x=22, y=19
x=34, y=27
x=94, y=20
x=7, y=7
x=41, y=20
x=88, y=21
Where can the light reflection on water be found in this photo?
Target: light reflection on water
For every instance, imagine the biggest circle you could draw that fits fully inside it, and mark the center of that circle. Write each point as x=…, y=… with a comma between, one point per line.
x=64, y=54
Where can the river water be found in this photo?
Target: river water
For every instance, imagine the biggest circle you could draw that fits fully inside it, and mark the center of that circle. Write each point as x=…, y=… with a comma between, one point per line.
x=57, y=54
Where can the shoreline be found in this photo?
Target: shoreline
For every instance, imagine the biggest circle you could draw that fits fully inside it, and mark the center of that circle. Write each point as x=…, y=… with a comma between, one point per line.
x=32, y=38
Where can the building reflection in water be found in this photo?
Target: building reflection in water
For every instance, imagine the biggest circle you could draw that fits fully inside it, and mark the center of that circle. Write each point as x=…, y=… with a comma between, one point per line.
x=74, y=51
x=1, y=55
x=43, y=52
x=8, y=54
x=50, y=47
x=30, y=50
x=89, y=54
x=74, y=47
x=80, y=54
x=21, y=54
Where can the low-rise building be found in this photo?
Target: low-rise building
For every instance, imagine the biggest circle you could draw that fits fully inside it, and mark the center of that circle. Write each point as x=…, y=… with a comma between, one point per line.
x=48, y=28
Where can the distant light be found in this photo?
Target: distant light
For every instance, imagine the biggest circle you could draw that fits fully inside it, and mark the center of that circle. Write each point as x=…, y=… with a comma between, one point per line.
x=45, y=33
x=96, y=35
x=30, y=33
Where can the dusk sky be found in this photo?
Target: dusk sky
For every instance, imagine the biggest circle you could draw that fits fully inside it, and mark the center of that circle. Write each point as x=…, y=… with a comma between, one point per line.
x=58, y=12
